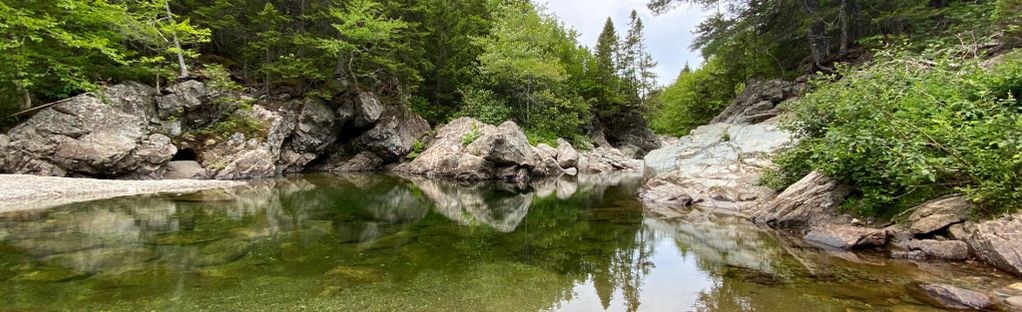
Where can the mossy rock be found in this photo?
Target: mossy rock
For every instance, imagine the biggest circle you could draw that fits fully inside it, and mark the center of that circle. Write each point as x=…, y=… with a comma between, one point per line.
x=344, y=275
x=100, y=259
x=49, y=274
x=182, y=239
x=221, y=252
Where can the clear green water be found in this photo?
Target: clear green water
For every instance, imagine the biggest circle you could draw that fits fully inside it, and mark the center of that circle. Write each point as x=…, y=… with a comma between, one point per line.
x=386, y=243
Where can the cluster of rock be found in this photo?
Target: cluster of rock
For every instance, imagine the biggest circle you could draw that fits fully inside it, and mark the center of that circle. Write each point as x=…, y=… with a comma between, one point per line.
x=717, y=167
x=470, y=150
x=133, y=131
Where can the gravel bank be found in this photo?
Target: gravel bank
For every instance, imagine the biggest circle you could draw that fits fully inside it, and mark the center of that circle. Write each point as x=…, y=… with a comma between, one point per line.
x=28, y=192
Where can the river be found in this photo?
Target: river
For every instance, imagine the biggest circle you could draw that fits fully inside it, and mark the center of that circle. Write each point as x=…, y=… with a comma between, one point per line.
x=388, y=243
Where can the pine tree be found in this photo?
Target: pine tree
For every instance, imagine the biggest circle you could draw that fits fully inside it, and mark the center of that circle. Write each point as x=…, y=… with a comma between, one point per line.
x=636, y=63
x=606, y=67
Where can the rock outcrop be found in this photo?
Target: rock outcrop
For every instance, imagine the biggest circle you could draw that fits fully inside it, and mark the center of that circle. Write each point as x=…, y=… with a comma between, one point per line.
x=133, y=131
x=758, y=102
x=997, y=242
x=812, y=200
x=91, y=135
x=626, y=131
x=716, y=165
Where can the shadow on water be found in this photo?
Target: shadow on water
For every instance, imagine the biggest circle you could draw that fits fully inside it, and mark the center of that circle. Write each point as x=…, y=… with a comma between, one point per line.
x=405, y=243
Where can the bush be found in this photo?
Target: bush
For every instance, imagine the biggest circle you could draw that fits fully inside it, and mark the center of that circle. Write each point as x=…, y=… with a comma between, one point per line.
x=909, y=124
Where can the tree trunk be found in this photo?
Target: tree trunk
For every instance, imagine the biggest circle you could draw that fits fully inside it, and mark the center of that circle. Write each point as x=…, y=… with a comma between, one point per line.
x=845, y=30
x=177, y=45
x=816, y=34
x=26, y=100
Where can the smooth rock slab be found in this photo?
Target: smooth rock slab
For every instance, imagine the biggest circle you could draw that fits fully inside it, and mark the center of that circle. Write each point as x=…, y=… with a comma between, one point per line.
x=945, y=250
x=847, y=237
x=950, y=297
x=938, y=214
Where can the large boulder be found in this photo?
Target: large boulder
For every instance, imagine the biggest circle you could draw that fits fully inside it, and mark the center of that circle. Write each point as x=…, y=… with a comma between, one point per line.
x=997, y=242
x=627, y=131
x=567, y=156
x=604, y=160
x=847, y=236
x=90, y=135
x=812, y=200
x=315, y=130
x=361, y=110
x=758, y=102
x=717, y=165
x=939, y=214
x=468, y=149
x=183, y=97
x=250, y=156
x=950, y=297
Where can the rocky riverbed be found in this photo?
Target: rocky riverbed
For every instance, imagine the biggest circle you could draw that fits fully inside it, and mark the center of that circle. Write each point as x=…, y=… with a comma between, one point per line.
x=718, y=166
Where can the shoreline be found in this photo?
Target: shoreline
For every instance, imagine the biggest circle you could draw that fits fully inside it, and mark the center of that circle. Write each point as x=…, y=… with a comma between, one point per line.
x=28, y=192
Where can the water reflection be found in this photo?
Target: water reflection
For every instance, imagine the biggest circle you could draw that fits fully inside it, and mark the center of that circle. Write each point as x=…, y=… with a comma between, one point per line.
x=384, y=243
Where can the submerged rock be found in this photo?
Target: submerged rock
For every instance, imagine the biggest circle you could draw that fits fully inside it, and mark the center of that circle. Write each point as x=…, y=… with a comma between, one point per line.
x=847, y=237
x=950, y=297
x=811, y=200
x=938, y=214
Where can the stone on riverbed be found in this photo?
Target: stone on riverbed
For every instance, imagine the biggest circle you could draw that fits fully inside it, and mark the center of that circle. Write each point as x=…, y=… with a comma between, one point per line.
x=944, y=250
x=847, y=237
x=950, y=297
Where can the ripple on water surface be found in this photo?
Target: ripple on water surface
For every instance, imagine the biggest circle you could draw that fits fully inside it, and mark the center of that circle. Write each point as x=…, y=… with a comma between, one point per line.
x=390, y=243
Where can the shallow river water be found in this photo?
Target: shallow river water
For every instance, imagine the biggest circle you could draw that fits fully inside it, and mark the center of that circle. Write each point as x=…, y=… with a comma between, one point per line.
x=389, y=243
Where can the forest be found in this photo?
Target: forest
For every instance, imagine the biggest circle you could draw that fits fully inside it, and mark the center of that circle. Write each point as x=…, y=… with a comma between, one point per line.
x=494, y=60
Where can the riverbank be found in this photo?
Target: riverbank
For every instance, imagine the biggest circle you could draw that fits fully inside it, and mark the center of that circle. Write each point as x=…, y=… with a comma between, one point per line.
x=28, y=192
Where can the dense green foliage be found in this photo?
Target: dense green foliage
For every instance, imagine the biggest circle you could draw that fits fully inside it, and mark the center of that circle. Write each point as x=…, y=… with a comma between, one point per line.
x=908, y=125
x=53, y=49
x=495, y=60
x=789, y=38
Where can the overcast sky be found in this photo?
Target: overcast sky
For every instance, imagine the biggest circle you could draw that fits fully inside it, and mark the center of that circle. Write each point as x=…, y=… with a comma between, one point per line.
x=668, y=35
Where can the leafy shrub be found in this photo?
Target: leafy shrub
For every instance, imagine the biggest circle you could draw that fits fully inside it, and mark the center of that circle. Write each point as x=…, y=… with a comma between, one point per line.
x=417, y=149
x=909, y=124
x=694, y=99
x=471, y=136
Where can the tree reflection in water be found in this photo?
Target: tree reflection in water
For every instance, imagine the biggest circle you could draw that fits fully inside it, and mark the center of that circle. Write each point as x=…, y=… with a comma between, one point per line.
x=381, y=242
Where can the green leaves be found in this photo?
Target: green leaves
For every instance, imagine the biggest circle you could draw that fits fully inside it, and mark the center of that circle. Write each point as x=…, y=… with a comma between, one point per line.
x=907, y=123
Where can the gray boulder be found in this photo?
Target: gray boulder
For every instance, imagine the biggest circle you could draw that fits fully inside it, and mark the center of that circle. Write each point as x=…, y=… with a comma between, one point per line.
x=628, y=131
x=847, y=237
x=938, y=214
x=360, y=110
x=997, y=242
x=811, y=200
x=394, y=135
x=950, y=297
x=85, y=136
x=467, y=149
x=184, y=169
x=184, y=96
x=567, y=156
x=758, y=102
x=944, y=250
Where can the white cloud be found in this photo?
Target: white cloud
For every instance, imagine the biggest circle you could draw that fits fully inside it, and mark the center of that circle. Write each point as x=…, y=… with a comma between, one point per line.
x=667, y=35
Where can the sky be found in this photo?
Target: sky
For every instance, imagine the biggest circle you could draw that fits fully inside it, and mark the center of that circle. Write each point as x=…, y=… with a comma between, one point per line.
x=668, y=36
